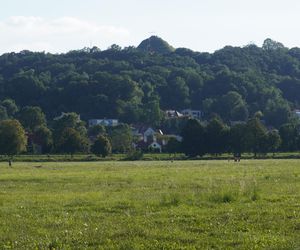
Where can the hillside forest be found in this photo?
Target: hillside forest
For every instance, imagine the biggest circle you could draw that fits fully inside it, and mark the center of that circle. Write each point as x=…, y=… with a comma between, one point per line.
x=137, y=84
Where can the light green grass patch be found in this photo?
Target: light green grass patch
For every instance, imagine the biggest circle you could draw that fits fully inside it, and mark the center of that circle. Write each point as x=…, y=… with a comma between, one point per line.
x=151, y=205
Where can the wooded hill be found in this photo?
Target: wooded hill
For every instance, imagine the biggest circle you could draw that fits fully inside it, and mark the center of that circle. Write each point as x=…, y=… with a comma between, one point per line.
x=135, y=84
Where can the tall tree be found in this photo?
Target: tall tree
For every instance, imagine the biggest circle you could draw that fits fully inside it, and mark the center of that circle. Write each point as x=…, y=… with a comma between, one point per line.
x=121, y=138
x=101, y=146
x=215, y=137
x=11, y=107
x=256, y=134
x=72, y=142
x=194, y=143
x=44, y=138
x=13, y=140
x=274, y=140
x=32, y=117
x=238, y=139
x=66, y=121
x=289, y=135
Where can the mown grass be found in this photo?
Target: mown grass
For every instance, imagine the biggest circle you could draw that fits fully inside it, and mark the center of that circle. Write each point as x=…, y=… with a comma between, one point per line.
x=253, y=204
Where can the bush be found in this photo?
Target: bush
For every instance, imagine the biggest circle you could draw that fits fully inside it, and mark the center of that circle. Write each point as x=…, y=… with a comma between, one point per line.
x=134, y=155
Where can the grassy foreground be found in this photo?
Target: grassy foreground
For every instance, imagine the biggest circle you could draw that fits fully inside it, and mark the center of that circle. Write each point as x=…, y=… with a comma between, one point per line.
x=253, y=204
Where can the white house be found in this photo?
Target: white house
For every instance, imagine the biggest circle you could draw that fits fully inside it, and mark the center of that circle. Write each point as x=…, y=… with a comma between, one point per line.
x=103, y=122
x=155, y=146
x=197, y=114
x=297, y=113
x=147, y=138
x=173, y=114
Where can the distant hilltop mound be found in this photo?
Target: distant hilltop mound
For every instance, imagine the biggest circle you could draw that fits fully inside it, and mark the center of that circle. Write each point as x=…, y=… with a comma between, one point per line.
x=156, y=44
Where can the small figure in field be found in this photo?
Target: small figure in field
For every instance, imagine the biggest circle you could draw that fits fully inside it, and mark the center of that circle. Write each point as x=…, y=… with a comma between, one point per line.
x=237, y=157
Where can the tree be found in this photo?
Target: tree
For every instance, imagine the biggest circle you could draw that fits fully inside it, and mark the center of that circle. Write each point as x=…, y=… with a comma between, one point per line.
x=32, y=117
x=25, y=86
x=11, y=107
x=121, y=138
x=152, y=113
x=3, y=113
x=173, y=146
x=274, y=140
x=13, y=140
x=237, y=138
x=270, y=45
x=193, y=142
x=277, y=112
x=256, y=134
x=101, y=146
x=66, y=121
x=72, y=141
x=216, y=137
x=289, y=135
x=96, y=130
x=232, y=107
x=43, y=137
x=176, y=93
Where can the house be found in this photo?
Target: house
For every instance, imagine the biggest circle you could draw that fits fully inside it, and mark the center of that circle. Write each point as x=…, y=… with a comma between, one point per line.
x=142, y=132
x=197, y=114
x=103, y=122
x=149, y=146
x=63, y=114
x=173, y=114
x=297, y=113
x=147, y=139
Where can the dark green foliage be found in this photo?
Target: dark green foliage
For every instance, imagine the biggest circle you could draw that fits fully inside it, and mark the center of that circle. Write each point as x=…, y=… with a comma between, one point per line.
x=96, y=130
x=12, y=138
x=152, y=113
x=277, y=112
x=290, y=136
x=216, y=137
x=32, y=117
x=274, y=140
x=194, y=142
x=256, y=136
x=72, y=141
x=44, y=138
x=67, y=120
x=10, y=106
x=238, y=139
x=101, y=146
x=134, y=155
x=135, y=84
x=173, y=146
x=3, y=113
x=121, y=138
x=155, y=44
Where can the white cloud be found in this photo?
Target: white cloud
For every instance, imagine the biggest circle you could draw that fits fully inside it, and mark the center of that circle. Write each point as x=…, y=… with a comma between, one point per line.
x=56, y=35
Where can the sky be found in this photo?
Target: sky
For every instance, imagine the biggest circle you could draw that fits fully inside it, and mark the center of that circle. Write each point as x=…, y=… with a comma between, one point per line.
x=202, y=25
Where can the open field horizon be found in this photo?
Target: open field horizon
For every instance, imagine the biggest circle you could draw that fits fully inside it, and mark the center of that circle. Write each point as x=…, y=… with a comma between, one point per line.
x=254, y=204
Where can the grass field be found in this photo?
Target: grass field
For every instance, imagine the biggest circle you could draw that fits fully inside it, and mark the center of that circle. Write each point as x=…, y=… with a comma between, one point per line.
x=253, y=204
x=145, y=157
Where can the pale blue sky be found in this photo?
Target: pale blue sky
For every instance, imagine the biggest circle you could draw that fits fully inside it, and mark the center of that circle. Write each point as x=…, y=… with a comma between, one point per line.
x=62, y=25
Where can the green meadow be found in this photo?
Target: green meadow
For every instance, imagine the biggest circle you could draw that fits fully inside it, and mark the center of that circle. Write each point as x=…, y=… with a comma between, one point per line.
x=254, y=204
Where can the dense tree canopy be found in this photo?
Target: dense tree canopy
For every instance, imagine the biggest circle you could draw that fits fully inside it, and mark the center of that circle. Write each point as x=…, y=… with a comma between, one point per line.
x=12, y=138
x=101, y=146
x=135, y=84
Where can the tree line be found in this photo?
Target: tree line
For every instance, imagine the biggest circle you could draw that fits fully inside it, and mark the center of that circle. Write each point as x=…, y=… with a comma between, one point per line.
x=27, y=130
x=215, y=138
